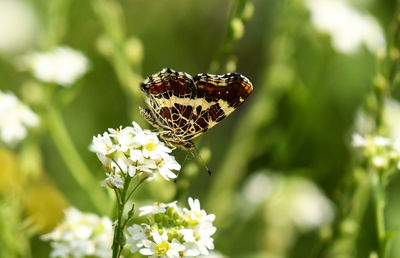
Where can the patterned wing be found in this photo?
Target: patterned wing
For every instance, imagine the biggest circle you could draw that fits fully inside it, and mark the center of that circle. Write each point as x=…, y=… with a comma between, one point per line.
x=184, y=108
x=216, y=98
x=170, y=97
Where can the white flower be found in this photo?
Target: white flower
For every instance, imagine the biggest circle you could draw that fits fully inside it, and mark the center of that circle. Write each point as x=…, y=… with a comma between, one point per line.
x=358, y=140
x=131, y=151
x=196, y=215
x=198, y=240
x=368, y=141
x=348, y=27
x=310, y=208
x=256, y=190
x=114, y=180
x=176, y=232
x=137, y=235
x=381, y=152
x=161, y=247
x=156, y=208
x=287, y=201
x=379, y=161
x=62, y=65
x=15, y=117
x=166, y=164
x=81, y=235
x=102, y=144
x=298, y=201
x=18, y=26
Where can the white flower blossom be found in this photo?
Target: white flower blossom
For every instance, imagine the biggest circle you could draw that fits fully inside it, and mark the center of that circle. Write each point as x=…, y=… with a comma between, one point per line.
x=18, y=26
x=173, y=231
x=166, y=164
x=102, y=145
x=383, y=152
x=297, y=201
x=309, y=207
x=196, y=214
x=161, y=247
x=62, y=65
x=156, y=208
x=15, y=118
x=81, y=235
x=348, y=27
x=368, y=141
x=289, y=201
x=132, y=151
x=137, y=235
x=114, y=180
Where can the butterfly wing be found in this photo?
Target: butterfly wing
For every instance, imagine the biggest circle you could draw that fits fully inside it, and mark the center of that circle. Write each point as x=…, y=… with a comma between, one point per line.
x=216, y=98
x=184, y=108
x=170, y=95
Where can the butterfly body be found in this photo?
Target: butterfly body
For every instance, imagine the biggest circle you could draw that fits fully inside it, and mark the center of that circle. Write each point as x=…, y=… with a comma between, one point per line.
x=182, y=107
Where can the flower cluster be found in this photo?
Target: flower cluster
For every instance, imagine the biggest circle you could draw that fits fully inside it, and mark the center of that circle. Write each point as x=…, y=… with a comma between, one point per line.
x=62, y=65
x=133, y=151
x=15, y=117
x=348, y=32
x=173, y=231
x=381, y=152
x=81, y=235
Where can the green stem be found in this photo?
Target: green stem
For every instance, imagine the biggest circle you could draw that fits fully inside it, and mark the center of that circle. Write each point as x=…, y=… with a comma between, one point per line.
x=122, y=197
x=235, y=10
x=136, y=187
x=383, y=89
x=394, y=57
x=117, y=245
x=380, y=202
x=73, y=160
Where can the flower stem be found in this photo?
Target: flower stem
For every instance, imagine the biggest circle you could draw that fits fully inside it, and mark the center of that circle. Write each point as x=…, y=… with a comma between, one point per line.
x=380, y=202
x=118, y=244
x=384, y=84
x=236, y=9
x=74, y=162
x=122, y=197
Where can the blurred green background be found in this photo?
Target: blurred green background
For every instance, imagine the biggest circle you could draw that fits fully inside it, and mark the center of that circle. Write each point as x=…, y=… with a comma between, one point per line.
x=297, y=122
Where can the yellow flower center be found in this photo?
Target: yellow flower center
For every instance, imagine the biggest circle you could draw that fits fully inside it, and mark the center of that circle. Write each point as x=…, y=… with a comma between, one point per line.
x=150, y=146
x=193, y=222
x=162, y=248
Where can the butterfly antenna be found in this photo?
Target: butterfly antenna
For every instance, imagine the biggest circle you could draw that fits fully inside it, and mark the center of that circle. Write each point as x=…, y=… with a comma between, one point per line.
x=184, y=161
x=196, y=155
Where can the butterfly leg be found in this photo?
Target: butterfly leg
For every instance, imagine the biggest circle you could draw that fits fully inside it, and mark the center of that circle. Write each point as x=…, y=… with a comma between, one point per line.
x=149, y=116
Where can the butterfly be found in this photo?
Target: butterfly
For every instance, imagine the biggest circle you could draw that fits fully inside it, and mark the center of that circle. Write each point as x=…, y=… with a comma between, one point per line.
x=182, y=107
